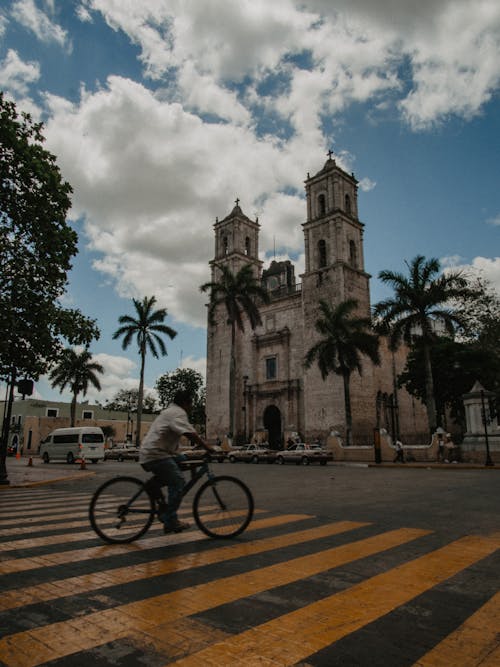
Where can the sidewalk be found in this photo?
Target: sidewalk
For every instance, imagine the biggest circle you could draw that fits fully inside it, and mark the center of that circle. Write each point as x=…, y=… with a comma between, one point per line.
x=20, y=473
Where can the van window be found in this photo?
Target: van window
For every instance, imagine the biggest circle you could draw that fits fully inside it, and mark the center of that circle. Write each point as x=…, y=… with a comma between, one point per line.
x=92, y=437
x=71, y=437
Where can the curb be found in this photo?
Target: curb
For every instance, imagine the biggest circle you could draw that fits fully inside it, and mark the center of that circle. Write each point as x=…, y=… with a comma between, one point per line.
x=16, y=484
x=435, y=466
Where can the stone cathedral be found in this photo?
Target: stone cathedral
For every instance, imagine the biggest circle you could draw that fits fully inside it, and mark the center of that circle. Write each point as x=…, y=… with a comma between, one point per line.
x=275, y=394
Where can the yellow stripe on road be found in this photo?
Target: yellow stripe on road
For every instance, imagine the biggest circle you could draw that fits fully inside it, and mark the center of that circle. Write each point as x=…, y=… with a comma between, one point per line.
x=122, y=575
x=92, y=553
x=64, y=538
x=295, y=636
x=475, y=642
x=33, y=647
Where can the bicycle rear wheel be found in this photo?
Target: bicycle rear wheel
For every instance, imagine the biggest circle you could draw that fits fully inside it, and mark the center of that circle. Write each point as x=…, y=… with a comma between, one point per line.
x=121, y=510
x=223, y=507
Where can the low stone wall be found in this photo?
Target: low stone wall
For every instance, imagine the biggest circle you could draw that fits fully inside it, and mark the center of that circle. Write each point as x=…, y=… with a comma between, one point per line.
x=365, y=453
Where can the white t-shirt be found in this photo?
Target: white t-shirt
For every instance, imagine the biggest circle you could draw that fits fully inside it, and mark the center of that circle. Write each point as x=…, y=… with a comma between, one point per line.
x=162, y=439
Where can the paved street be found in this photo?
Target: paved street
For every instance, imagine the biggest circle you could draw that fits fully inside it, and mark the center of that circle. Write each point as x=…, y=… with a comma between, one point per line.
x=343, y=566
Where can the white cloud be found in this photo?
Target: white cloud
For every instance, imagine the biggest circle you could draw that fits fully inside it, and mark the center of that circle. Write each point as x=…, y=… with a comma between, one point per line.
x=197, y=364
x=150, y=192
x=83, y=14
x=451, y=47
x=32, y=18
x=119, y=373
x=495, y=221
x=3, y=24
x=366, y=184
x=487, y=267
x=17, y=75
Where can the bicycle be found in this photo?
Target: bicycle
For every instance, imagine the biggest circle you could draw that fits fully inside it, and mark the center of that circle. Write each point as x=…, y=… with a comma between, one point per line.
x=123, y=508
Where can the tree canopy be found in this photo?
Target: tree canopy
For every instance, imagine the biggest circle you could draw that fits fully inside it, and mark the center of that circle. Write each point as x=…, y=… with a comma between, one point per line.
x=126, y=400
x=77, y=371
x=146, y=328
x=420, y=304
x=186, y=379
x=36, y=247
x=344, y=339
x=239, y=295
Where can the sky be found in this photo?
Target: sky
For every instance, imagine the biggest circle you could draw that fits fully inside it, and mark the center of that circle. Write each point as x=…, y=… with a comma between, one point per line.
x=162, y=112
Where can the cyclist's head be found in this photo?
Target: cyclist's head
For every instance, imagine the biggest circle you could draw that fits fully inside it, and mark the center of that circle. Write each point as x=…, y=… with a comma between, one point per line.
x=184, y=398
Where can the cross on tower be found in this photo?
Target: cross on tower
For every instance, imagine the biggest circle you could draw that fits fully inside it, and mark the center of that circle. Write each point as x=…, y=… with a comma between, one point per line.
x=237, y=201
x=330, y=153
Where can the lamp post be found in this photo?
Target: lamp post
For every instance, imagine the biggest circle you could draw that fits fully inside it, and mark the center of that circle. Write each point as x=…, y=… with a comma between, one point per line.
x=128, y=437
x=245, y=380
x=486, y=421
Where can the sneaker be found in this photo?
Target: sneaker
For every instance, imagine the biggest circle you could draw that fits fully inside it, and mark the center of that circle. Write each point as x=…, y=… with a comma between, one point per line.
x=175, y=527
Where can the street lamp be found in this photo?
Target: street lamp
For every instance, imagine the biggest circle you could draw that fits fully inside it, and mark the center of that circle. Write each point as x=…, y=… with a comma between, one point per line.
x=245, y=380
x=486, y=421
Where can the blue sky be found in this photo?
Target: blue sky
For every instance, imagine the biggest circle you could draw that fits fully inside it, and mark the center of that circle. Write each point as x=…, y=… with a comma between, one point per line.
x=162, y=113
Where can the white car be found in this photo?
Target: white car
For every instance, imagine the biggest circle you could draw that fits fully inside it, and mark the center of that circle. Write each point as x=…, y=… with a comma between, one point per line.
x=250, y=454
x=122, y=451
x=302, y=453
x=199, y=452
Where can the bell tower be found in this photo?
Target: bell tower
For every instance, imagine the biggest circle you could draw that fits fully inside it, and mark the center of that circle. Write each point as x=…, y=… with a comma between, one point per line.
x=236, y=242
x=333, y=238
x=236, y=245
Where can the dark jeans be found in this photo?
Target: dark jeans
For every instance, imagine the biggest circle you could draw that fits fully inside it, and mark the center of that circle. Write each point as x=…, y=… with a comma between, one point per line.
x=168, y=473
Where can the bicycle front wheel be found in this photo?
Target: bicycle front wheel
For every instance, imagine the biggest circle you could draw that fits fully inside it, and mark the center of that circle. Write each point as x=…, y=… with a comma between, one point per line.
x=121, y=510
x=223, y=507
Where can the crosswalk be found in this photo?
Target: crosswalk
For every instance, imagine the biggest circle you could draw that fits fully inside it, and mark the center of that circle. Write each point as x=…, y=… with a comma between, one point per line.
x=293, y=590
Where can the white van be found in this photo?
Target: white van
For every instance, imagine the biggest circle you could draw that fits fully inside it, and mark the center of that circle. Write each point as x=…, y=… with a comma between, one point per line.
x=72, y=444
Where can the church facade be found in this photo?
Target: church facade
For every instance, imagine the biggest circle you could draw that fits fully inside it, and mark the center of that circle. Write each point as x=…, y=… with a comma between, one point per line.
x=275, y=393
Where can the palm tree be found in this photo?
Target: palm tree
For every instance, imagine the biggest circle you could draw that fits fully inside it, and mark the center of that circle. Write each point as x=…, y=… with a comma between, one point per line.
x=76, y=370
x=238, y=293
x=420, y=301
x=145, y=327
x=344, y=339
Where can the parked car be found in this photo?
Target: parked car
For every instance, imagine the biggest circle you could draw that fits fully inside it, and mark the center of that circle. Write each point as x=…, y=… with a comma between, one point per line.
x=250, y=454
x=302, y=453
x=122, y=451
x=198, y=452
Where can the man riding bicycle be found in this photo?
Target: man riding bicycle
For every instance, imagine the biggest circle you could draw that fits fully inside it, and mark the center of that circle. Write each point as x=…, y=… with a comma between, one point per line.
x=159, y=454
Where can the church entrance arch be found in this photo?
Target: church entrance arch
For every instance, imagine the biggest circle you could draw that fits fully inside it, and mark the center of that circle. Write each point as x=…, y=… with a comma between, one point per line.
x=272, y=424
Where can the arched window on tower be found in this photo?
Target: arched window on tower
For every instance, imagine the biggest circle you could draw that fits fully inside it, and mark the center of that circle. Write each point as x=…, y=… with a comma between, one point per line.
x=247, y=245
x=225, y=245
x=353, y=254
x=321, y=253
x=321, y=205
x=347, y=204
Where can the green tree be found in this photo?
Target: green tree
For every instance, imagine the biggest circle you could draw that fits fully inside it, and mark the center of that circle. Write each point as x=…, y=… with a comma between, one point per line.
x=344, y=339
x=126, y=400
x=420, y=304
x=238, y=293
x=146, y=328
x=456, y=367
x=77, y=371
x=479, y=314
x=36, y=247
x=186, y=379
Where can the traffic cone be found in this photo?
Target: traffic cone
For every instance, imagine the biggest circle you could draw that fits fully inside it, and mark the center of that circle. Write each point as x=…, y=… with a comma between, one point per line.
x=82, y=464
x=30, y=462
x=18, y=454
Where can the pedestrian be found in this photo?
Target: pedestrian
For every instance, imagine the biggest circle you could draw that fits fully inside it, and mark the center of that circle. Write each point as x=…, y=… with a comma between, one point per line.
x=440, y=448
x=159, y=454
x=399, y=452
